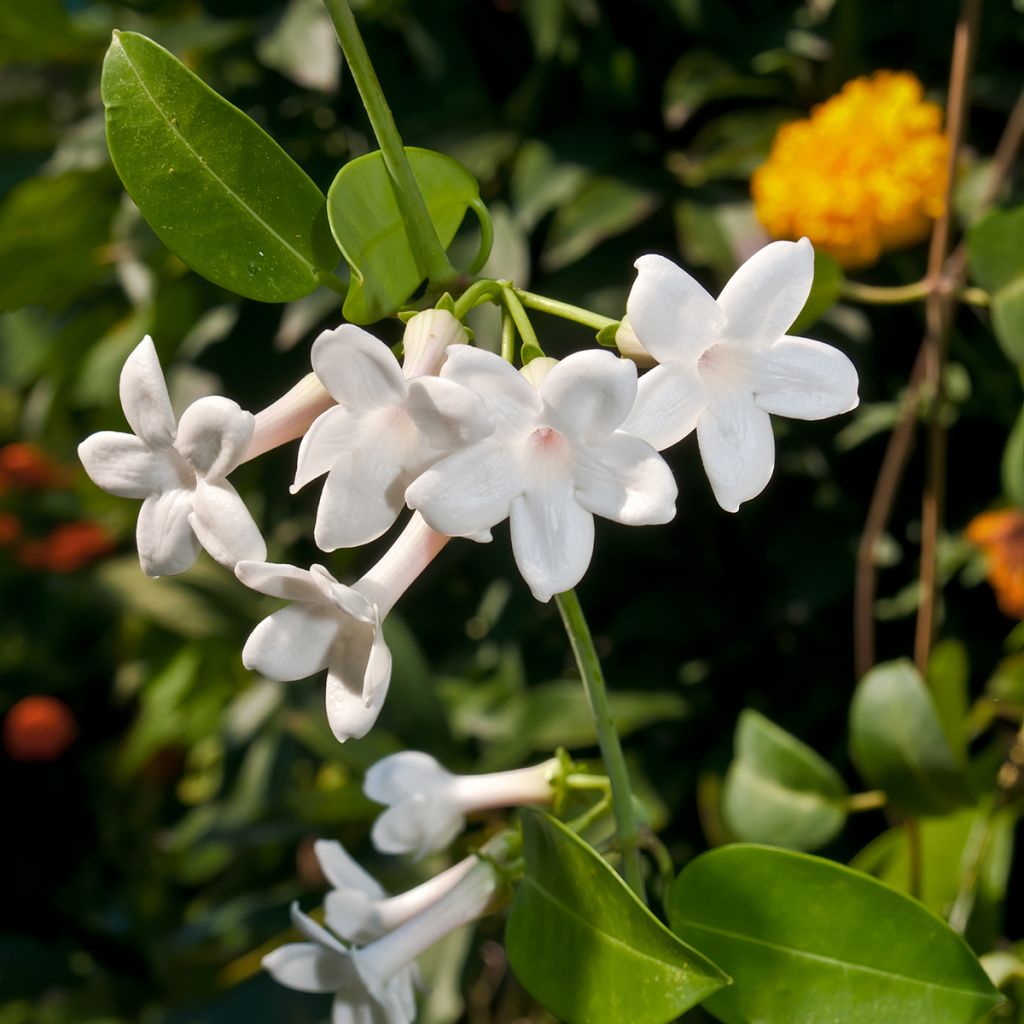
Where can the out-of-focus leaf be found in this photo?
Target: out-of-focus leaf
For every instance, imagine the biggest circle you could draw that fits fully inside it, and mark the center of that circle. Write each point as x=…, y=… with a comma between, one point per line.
x=583, y=944
x=997, y=264
x=303, y=47
x=1013, y=463
x=216, y=189
x=371, y=232
x=825, y=292
x=541, y=182
x=778, y=790
x=719, y=235
x=39, y=31
x=807, y=940
x=898, y=745
x=948, y=675
x=701, y=76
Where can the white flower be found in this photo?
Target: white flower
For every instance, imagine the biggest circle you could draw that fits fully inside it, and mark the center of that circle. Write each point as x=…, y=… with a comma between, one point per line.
x=555, y=460
x=384, y=431
x=289, y=417
x=178, y=469
x=725, y=364
x=333, y=626
x=427, y=805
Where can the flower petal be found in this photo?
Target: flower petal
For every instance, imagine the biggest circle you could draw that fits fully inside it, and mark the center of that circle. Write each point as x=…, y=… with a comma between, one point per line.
x=358, y=369
x=672, y=316
x=167, y=546
x=276, y=579
x=737, y=448
x=144, y=398
x=447, y=415
x=418, y=825
x=223, y=526
x=552, y=538
x=669, y=399
x=395, y=777
x=625, y=479
x=342, y=871
x=589, y=394
x=123, y=465
x=310, y=929
x=467, y=492
x=510, y=399
x=293, y=643
x=765, y=295
x=306, y=967
x=804, y=379
x=350, y=713
x=213, y=434
x=334, y=433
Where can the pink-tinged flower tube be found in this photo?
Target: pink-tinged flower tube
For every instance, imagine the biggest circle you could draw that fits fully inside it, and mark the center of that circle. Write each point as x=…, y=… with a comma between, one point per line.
x=427, y=805
x=178, y=469
x=337, y=627
x=289, y=417
x=726, y=364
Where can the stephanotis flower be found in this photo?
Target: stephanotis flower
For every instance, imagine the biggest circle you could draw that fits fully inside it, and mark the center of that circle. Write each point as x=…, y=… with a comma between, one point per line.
x=337, y=627
x=726, y=364
x=427, y=805
x=386, y=429
x=555, y=460
x=178, y=469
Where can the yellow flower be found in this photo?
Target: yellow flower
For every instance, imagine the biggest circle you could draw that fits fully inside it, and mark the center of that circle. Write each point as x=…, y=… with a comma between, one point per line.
x=865, y=172
x=1000, y=535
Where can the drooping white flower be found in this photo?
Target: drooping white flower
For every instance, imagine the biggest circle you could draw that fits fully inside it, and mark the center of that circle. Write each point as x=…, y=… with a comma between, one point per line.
x=727, y=363
x=337, y=627
x=386, y=429
x=178, y=469
x=555, y=460
x=427, y=805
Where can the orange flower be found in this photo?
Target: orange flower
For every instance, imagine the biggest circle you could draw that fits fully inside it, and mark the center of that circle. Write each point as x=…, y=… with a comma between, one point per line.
x=69, y=547
x=1000, y=535
x=27, y=466
x=39, y=728
x=10, y=528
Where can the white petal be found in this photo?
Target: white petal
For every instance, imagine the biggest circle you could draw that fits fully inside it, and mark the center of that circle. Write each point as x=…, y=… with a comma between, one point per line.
x=333, y=433
x=625, y=479
x=213, y=435
x=223, y=526
x=589, y=394
x=122, y=464
x=342, y=871
x=804, y=379
x=467, y=492
x=309, y=929
x=447, y=415
x=552, y=539
x=350, y=714
x=358, y=370
x=512, y=402
x=763, y=298
x=353, y=915
x=279, y=580
x=293, y=643
x=396, y=776
x=144, y=398
x=306, y=967
x=669, y=399
x=167, y=546
x=737, y=448
x=673, y=317
x=418, y=825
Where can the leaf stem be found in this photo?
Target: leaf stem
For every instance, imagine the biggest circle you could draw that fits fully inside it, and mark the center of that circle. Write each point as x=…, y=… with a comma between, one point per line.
x=332, y=281
x=422, y=232
x=879, y=295
x=872, y=800
x=553, y=307
x=608, y=739
x=530, y=345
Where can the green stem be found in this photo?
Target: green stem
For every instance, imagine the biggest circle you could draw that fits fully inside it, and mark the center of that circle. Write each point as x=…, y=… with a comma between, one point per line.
x=332, y=281
x=531, y=346
x=883, y=296
x=479, y=291
x=872, y=800
x=508, y=336
x=410, y=199
x=553, y=307
x=608, y=739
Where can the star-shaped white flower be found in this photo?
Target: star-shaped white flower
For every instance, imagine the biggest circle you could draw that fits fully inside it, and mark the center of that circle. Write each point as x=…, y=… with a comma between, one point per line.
x=555, y=460
x=385, y=429
x=727, y=364
x=177, y=469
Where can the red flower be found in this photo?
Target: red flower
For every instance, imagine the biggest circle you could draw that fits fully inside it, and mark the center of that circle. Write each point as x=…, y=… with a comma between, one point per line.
x=69, y=547
x=27, y=466
x=38, y=728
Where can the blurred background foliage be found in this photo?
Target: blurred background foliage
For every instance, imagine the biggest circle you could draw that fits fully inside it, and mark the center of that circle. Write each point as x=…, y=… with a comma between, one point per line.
x=161, y=809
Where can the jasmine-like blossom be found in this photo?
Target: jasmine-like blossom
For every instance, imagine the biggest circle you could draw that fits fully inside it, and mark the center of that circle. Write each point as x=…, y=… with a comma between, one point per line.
x=556, y=459
x=337, y=627
x=178, y=469
x=726, y=364
x=427, y=805
x=289, y=417
x=386, y=429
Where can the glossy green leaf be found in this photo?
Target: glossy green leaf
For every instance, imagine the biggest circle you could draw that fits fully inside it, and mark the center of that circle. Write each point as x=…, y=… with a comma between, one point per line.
x=898, y=745
x=217, y=190
x=825, y=292
x=369, y=228
x=1013, y=463
x=583, y=945
x=997, y=264
x=779, y=791
x=808, y=941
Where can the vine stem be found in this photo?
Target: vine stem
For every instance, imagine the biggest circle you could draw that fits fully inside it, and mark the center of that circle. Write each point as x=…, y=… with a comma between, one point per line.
x=608, y=739
x=553, y=307
x=882, y=295
x=423, y=234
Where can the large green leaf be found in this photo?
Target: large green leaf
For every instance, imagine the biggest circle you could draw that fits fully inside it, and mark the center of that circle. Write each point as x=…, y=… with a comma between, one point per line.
x=1012, y=469
x=898, y=745
x=586, y=947
x=370, y=230
x=778, y=790
x=997, y=264
x=808, y=941
x=218, y=191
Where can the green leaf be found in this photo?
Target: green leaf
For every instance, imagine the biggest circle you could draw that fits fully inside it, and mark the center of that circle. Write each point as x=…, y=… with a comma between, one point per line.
x=808, y=941
x=700, y=77
x=216, y=189
x=825, y=292
x=1013, y=463
x=997, y=264
x=370, y=230
x=583, y=944
x=948, y=675
x=897, y=742
x=779, y=791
